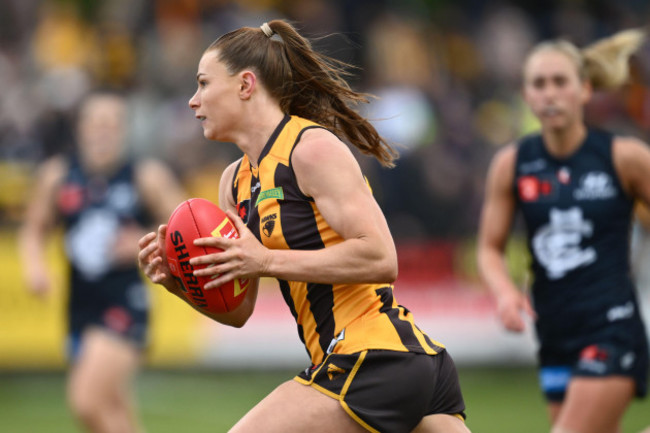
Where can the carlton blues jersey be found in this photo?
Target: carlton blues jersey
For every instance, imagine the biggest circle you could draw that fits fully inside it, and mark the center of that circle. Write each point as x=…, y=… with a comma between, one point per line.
x=331, y=318
x=578, y=222
x=93, y=209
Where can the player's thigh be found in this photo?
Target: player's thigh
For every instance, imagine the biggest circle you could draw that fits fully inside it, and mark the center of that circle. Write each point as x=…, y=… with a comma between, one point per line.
x=105, y=364
x=293, y=407
x=595, y=405
x=441, y=423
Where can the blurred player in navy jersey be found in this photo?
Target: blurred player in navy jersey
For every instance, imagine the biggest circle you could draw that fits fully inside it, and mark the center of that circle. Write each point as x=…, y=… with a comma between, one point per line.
x=105, y=202
x=575, y=187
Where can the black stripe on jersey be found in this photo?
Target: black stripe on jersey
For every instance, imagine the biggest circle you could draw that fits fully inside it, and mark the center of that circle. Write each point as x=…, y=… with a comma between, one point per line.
x=235, y=181
x=273, y=137
x=253, y=222
x=298, y=221
x=430, y=342
x=321, y=305
x=286, y=294
x=293, y=174
x=404, y=329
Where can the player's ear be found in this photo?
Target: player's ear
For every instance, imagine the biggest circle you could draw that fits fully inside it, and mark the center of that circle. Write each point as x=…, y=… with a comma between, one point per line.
x=247, y=83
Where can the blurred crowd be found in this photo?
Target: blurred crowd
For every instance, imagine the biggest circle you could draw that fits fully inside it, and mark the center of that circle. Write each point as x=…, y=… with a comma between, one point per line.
x=446, y=75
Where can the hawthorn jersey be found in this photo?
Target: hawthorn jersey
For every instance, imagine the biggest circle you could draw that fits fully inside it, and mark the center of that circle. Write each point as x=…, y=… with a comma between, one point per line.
x=331, y=318
x=578, y=223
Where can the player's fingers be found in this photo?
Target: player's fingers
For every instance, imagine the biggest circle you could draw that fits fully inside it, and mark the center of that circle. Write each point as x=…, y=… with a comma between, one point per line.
x=237, y=221
x=146, y=252
x=219, y=281
x=210, y=259
x=528, y=308
x=214, y=242
x=146, y=239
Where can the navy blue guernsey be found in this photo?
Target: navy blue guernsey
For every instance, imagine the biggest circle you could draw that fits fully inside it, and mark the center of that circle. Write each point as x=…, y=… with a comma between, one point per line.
x=93, y=209
x=578, y=223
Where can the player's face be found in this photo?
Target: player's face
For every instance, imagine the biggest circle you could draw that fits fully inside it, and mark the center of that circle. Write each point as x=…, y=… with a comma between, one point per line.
x=553, y=89
x=216, y=100
x=101, y=131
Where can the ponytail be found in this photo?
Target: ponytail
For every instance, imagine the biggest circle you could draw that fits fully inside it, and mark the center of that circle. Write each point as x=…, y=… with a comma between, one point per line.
x=605, y=62
x=304, y=82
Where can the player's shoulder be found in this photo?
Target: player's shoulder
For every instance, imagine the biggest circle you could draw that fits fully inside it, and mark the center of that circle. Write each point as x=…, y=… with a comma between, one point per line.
x=317, y=146
x=505, y=157
x=627, y=146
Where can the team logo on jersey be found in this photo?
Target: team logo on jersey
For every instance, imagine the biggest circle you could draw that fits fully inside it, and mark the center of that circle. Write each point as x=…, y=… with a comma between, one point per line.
x=268, y=224
x=70, y=198
x=333, y=371
x=276, y=193
x=564, y=175
x=557, y=245
x=533, y=166
x=595, y=185
x=242, y=209
x=533, y=188
x=593, y=358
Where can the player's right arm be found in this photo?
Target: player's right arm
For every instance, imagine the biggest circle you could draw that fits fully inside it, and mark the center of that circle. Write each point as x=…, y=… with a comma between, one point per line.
x=39, y=220
x=152, y=259
x=496, y=219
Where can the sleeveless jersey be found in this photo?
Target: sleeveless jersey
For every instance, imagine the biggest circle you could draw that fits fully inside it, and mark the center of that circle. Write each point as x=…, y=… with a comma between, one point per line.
x=578, y=222
x=93, y=209
x=331, y=318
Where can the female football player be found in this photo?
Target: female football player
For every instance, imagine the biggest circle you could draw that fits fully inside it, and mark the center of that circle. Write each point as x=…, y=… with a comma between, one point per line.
x=288, y=109
x=575, y=187
x=104, y=201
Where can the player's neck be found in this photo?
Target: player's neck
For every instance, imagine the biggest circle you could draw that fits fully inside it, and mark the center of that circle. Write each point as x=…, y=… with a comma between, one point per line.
x=257, y=134
x=564, y=142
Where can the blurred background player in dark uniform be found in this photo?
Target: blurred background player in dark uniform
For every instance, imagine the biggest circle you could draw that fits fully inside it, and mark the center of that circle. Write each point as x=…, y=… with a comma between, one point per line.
x=575, y=187
x=309, y=219
x=105, y=203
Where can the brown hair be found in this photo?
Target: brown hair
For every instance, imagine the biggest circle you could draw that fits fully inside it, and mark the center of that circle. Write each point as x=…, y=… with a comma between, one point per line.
x=304, y=82
x=605, y=62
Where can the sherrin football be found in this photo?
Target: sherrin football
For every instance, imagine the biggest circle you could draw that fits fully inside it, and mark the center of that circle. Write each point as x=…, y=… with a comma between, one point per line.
x=199, y=218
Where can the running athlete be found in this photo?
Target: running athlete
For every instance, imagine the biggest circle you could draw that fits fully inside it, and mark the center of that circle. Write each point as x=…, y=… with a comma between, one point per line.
x=306, y=216
x=575, y=187
x=104, y=202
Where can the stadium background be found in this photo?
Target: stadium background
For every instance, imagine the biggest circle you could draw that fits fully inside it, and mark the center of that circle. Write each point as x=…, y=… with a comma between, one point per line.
x=447, y=77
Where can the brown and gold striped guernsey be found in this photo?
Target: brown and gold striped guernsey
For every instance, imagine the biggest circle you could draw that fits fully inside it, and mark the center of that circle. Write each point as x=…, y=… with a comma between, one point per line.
x=331, y=318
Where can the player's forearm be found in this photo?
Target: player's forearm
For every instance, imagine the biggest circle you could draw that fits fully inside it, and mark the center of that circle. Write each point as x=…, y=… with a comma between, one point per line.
x=494, y=272
x=352, y=261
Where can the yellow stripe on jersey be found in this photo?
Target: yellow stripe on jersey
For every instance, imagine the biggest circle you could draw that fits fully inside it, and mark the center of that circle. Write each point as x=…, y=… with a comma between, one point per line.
x=335, y=318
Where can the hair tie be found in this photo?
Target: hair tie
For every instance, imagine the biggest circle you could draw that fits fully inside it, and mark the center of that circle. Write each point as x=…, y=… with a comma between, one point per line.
x=267, y=30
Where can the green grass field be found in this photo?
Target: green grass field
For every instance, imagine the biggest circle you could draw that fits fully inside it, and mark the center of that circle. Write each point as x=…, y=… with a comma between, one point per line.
x=499, y=400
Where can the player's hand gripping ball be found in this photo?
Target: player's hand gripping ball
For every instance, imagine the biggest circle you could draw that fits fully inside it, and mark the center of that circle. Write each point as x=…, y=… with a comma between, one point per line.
x=199, y=218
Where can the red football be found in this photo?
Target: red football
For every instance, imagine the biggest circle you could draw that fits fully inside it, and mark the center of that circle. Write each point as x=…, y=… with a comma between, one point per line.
x=200, y=218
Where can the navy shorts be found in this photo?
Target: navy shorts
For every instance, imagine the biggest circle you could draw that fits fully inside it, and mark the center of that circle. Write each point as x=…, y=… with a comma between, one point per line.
x=387, y=391
x=118, y=304
x=594, y=360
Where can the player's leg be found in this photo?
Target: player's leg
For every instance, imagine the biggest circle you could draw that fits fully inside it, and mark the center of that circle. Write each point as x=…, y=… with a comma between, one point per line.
x=293, y=407
x=441, y=423
x=99, y=387
x=595, y=405
x=553, y=409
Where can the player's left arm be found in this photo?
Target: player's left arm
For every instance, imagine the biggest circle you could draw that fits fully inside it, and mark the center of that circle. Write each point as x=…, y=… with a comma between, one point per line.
x=632, y=162
x=160, y=189
x=160, y=193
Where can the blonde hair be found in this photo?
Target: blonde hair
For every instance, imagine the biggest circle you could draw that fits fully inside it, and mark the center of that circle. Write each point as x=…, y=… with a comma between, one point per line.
x=304, y=82
x=605, y=62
